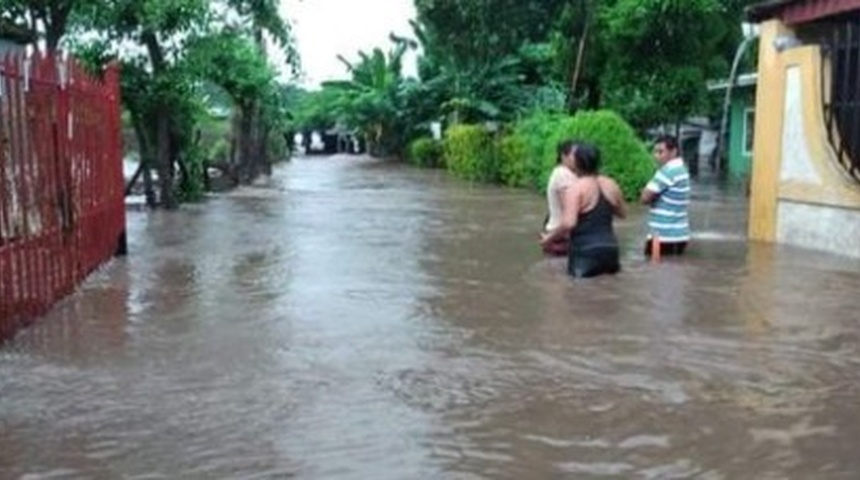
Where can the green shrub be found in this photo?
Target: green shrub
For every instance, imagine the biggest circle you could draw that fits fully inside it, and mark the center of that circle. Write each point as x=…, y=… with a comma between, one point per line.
x=471, y=153
x=538, y=135
x=624, y=156
x=426, y=152
x=525, y=156
x=513, y=170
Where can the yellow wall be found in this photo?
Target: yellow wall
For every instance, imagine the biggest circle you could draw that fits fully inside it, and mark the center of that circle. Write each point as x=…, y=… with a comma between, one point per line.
x=770, y=94
x=832, y=187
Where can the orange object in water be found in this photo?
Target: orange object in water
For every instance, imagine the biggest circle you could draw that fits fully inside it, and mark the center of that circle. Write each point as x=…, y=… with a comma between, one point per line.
x=655, y=248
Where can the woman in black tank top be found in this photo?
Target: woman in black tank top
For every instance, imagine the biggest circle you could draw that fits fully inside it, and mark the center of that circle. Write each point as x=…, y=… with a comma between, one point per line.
x=589, y=208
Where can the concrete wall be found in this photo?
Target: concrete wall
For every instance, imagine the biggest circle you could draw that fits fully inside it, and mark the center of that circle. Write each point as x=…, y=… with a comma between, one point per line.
x=800, y=195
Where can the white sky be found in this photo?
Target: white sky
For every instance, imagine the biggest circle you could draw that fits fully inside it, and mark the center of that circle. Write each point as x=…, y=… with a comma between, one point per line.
x=325, y=28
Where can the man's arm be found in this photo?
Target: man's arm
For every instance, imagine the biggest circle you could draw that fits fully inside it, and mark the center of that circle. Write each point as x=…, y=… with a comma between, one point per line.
x=648, y=196
x=658, y=184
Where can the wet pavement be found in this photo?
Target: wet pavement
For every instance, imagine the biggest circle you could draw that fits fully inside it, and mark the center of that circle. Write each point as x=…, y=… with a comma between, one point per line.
x=360, y=320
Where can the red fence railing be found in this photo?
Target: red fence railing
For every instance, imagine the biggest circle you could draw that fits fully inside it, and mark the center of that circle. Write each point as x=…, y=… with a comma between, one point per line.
x=62, y=211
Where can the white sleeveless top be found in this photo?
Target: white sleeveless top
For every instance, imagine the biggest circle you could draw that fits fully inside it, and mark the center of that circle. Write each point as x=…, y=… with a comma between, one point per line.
x=560, y=179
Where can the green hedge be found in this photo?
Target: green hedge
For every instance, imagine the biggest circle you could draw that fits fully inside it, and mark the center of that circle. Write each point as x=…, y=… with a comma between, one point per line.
x=426, y=152
x=471, y=153
x=538, y=137
x=525, y=155
x=513, y=169
x=624, y=156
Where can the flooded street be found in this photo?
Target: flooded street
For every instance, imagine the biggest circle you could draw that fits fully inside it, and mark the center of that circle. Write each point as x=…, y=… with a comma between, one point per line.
x=359, y=320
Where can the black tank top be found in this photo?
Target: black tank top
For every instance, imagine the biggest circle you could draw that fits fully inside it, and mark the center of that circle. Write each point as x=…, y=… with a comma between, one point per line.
x=594, y=227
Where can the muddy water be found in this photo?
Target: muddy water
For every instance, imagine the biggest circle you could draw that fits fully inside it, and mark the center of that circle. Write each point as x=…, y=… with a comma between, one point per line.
x=356, y=320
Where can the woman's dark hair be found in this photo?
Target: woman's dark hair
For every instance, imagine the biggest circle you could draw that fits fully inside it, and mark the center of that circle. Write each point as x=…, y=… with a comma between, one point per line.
x=564, y=148
x=586, y=158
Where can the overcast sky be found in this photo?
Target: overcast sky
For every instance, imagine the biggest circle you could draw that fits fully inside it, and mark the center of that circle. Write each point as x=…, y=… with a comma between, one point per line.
x=325, y=28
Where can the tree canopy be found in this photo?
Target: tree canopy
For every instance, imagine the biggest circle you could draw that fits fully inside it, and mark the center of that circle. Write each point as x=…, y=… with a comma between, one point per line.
x=500, y=60
x=479, y=61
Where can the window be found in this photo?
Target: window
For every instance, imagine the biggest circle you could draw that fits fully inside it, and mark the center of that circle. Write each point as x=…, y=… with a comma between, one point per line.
x=749, y=130
x=842, y=109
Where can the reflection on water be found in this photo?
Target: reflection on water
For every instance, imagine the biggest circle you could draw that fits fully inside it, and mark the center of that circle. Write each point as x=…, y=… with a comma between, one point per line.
x=361, y=320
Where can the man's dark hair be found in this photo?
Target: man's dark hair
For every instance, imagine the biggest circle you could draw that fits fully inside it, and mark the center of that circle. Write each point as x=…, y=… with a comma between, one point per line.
x=668, y=141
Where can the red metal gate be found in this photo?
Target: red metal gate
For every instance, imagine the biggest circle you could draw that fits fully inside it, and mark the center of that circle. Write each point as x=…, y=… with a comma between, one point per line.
x=62, y=211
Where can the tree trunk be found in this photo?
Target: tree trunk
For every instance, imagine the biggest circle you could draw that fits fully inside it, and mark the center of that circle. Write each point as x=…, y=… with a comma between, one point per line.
x=145, y=147
x=245, y=145
x=235, y=128
x=177, y=140
x=265, y=161
x=594, y=95
x=163, y=160
x=289, y=141
x=149, y=188
x=54, y=17
x=577, y=67
x=260, y=132
x=56, y=25
x=253, y=159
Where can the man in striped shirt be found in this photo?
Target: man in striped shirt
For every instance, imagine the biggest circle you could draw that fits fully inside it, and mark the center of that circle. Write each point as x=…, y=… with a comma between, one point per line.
x=668, y=194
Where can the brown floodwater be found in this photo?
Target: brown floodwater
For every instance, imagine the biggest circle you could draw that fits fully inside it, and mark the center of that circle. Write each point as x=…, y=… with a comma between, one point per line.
x=354, y=319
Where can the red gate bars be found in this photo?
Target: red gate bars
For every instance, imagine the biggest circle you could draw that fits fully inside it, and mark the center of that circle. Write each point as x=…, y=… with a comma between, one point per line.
x=62, y=211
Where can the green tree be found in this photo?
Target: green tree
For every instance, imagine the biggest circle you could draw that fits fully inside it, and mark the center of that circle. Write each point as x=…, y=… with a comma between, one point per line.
x=486, y=60
x=372, y=101
x=156, y=88
x=235, y=63
x=49, y=18
x=255, y=121
x=162, y=81
x=649, y=59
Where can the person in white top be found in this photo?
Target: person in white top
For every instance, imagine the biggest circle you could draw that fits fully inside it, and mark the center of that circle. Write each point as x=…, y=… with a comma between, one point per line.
x=561, y=179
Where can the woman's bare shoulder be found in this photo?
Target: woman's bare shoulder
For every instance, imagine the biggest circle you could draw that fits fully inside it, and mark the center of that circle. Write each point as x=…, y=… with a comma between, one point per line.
x=607, y=181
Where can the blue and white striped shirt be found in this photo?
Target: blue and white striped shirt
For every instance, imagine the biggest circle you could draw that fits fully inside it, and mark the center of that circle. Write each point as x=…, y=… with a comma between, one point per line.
x=668, y=215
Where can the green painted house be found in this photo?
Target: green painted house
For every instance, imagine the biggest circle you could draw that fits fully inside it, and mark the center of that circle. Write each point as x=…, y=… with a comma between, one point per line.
x=741, y=123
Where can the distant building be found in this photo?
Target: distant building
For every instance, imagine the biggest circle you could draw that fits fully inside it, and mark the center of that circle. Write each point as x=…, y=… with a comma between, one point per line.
x=741, y=125
x=14, y=38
